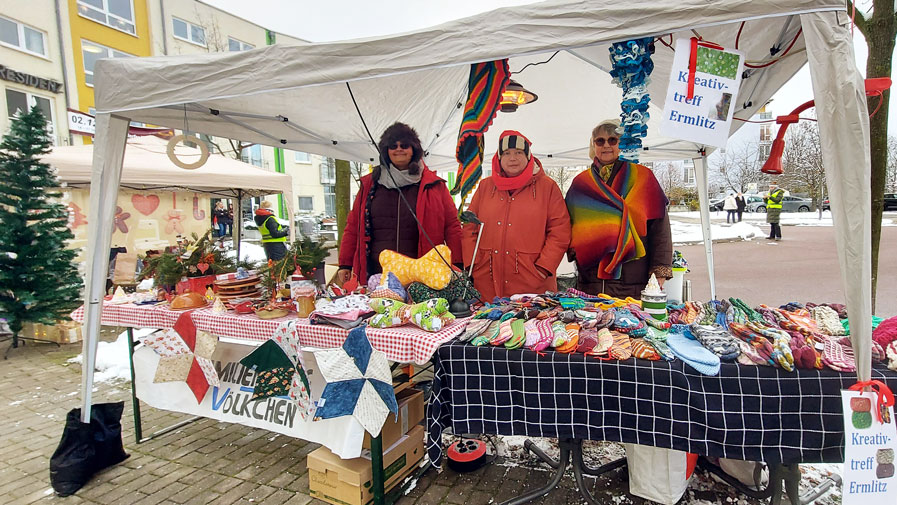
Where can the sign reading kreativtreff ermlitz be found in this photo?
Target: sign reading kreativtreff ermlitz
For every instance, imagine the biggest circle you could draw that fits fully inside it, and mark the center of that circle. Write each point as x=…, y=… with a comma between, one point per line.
x=870, y=440
x=706, y=117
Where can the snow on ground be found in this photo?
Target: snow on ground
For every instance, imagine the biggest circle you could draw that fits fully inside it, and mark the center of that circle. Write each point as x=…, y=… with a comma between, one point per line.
x=112, y=358
x=788, y=218
x=249, y=252
x=689, y=233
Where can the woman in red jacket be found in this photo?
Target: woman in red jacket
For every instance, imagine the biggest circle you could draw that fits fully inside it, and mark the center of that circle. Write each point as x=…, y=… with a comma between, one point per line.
x=526, y=228
x=379, y=218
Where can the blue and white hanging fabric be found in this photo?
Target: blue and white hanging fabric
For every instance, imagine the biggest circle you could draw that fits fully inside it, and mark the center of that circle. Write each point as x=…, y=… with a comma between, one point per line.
x=359, y=383
x=632, y=65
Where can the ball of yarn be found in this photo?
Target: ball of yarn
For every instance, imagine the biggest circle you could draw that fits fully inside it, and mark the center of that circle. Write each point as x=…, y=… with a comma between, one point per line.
x=861, y=420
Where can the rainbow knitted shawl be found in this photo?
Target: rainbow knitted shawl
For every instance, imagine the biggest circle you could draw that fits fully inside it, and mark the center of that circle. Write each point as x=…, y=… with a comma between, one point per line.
x=609, y=221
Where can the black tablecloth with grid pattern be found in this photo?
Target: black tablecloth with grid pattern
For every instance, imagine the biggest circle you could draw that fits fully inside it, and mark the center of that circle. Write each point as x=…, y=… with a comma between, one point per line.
x=756, y=413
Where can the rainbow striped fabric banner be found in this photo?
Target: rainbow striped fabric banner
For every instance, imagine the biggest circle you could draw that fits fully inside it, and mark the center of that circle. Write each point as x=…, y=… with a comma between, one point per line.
x=487, y=82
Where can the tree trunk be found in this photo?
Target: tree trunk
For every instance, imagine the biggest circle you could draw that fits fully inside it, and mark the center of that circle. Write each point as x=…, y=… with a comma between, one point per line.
x=343, y=175
x=879, y=34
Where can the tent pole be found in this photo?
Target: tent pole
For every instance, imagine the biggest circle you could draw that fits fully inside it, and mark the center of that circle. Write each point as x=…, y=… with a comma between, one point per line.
x=844, y=139
x=108, y=155
x=701, y=179
x=237, y=228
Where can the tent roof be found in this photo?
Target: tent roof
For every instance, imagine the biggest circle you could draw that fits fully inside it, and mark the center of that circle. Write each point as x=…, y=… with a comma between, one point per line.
x=147, y=167
x=298, y=97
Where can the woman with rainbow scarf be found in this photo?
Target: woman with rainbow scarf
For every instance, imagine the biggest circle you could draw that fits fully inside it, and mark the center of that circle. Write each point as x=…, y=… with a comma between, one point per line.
x=620, y=226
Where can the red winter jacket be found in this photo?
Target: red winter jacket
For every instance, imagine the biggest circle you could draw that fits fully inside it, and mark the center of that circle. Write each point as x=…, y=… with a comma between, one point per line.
x=435, y=210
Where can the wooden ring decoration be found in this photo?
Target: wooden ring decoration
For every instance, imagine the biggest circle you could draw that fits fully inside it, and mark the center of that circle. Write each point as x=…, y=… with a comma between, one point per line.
x=203, y=149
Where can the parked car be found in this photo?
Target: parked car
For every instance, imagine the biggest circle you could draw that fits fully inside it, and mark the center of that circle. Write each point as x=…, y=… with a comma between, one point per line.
x=717, y=203
x=789, y=204
x=826, y=205
x=890, y=201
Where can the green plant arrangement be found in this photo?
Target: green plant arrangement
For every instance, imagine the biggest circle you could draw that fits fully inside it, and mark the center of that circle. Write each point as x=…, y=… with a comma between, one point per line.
x=193, y=257
x=305, y=255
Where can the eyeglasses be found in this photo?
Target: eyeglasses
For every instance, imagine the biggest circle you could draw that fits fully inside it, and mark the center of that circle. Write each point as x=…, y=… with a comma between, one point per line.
x=611, y=141
x=398, y=145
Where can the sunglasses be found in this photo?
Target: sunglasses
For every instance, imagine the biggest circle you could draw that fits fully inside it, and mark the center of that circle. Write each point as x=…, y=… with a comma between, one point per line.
x=398, y=145
x=611, y=141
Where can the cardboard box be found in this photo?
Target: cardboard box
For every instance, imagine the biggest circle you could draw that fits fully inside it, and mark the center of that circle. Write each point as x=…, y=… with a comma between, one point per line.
x=349, y=481
x=411, y=413
x=63, y=332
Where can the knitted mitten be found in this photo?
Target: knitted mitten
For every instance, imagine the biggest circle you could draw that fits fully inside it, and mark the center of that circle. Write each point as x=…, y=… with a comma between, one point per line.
x=622, y=347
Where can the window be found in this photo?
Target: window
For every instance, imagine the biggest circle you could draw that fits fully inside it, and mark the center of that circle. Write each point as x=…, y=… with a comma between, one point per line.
x=330, y=200
x=252, y=155
x=765, y=149
x=22, y=37
x=328, y=171
x=306, y=204
x=302, y=157
x=19, y=101
x=238, y=45
x=91, y=51
x=118, y=14
x=765, y=133
x=188, y=31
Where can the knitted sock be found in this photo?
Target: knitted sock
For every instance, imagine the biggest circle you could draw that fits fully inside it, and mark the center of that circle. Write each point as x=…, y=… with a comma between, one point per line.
x=658, y=340
x=605, y=319
x=643, y=350
x=605, y=341
x=546, y=336
x=588, y=339
x=474, y=329
x=532, y=333
x=560, y=334
x=622, y=347
x=504, y=332
x=487, y=334
x=518, y=335
x=572, y=330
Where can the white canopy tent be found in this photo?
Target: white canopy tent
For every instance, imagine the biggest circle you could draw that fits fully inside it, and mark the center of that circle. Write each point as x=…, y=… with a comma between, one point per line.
x=322, y=98
x=147, y=167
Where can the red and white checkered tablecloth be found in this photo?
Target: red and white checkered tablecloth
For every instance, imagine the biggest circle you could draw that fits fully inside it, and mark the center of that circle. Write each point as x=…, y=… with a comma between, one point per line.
x=403, y=344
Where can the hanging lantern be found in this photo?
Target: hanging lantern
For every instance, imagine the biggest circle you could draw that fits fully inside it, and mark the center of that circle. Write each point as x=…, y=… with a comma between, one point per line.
x=516, y=95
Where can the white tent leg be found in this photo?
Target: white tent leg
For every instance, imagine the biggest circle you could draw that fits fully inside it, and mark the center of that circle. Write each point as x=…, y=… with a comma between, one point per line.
x=108, y=154
x=237, y=228
x=701, y=180
x=844, y=138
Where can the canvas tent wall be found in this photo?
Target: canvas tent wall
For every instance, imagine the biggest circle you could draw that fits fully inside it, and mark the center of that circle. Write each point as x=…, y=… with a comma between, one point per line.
x=313, y=97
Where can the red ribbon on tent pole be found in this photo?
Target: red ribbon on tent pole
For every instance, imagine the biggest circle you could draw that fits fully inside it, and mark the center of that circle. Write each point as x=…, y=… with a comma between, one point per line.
x=693, y=62
x=884, y=394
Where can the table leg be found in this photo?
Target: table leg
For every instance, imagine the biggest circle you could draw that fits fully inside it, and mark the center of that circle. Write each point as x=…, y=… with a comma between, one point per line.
x=560, y=465
x=578, y=465
x=377, y=482
x=135, y=403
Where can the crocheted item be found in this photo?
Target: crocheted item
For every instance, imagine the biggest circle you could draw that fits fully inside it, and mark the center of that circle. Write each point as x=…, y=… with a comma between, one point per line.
x=458, y=288
x=572, y=330
x=632, y=65
x=886, y=332
x=621, y=348
x=693, y=354
x=716, y=339
x=860, y=404
x=431, y=315
x=827, y=320
x=429, y=269
x=884, y=456
x=643, y=350
x=861, y=420
x=838, y=357
x=884, y=471
x=518, y=335
x=878, y=352
x=588, y=339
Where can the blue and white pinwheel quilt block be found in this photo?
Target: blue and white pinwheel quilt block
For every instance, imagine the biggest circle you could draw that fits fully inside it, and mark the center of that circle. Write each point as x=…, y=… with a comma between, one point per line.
x=359, y=383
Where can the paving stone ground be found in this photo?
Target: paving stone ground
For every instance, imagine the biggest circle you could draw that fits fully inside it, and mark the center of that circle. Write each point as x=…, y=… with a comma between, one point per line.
x=208, y=462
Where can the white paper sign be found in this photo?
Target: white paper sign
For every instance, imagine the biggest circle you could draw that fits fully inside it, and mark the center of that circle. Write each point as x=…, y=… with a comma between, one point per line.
x=230, y=402
x=81, y=123
x=707, y=117
x=869, y=452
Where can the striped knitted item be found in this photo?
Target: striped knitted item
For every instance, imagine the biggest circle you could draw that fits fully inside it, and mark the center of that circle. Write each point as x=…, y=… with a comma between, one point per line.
x=716, y=339
x=532, y=333
x=827, y=320
x=837, y=357
x=504, y=332
x=761, y=345
x=572, y=330
x=621, y=348
x=588, y=339
x=605, y=341
x=749, y=355
x=486, y=83
x=658, y=339
x=781, y=345
x=474, y=328
x=609, y=221
x=518, y=335
x=560, y=334
x=546, y=336
x=643, y=350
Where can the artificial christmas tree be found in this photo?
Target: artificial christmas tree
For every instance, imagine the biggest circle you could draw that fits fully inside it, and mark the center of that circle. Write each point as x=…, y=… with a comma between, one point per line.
x=38, y=279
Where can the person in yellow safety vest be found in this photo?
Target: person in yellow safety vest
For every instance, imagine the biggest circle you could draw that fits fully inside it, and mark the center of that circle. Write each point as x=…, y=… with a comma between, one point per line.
x=274, y=235
x=774, y=210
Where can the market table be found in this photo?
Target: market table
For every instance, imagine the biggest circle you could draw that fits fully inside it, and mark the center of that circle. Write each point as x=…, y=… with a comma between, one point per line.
x=755, y=413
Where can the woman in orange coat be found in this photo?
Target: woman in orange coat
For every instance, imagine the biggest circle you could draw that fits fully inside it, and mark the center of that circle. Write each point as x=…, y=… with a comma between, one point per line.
x=526, y=228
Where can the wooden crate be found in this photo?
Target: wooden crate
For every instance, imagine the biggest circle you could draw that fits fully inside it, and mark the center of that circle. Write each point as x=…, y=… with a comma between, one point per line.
x=63, y=332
